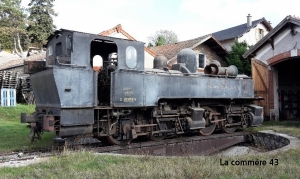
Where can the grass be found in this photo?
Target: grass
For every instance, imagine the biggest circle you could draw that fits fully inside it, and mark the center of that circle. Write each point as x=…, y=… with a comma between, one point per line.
x=290, y=128
x=87, y=165
x=14, y=134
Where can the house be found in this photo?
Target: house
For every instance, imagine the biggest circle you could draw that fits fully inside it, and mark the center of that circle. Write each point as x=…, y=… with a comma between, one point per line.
x=275, y=69
x=251, y=32
x=118, y=32
x=207, y=47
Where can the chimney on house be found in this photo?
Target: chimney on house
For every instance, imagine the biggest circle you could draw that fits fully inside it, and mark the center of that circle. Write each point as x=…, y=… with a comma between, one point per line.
x=249, y=20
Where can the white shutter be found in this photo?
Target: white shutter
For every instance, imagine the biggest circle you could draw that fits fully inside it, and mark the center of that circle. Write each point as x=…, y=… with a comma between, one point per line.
x=257, y=34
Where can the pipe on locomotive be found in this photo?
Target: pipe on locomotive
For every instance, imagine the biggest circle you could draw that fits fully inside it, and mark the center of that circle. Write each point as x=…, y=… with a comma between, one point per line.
x=214, y=68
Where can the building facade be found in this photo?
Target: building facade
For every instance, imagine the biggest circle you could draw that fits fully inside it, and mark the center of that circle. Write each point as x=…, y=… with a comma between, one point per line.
x=279, y=51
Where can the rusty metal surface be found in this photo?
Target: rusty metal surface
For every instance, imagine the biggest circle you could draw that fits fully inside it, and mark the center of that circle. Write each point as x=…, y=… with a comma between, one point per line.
x=48, y=123
x=197, y=145
x=74, y=117
x=31, y=67
x=75, y=130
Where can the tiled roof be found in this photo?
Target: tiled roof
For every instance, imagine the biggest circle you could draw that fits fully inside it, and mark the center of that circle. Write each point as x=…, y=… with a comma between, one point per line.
x=238, y=31
x=171, y=50
x=119, y=29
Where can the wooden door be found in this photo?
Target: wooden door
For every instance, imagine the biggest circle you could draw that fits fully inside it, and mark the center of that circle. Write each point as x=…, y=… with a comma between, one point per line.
x=260, y=77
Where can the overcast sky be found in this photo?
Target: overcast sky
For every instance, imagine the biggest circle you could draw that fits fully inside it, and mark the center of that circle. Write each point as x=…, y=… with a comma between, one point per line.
x=187, y=18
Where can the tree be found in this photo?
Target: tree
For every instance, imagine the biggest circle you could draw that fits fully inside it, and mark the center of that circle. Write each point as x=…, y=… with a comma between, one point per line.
x=12, y=26
x=40, y=21
x=162, y=37
x=161, y=40
x=235, y=57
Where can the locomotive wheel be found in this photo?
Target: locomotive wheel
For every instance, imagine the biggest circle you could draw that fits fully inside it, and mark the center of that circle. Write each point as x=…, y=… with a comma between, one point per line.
x=225, y=129
x=247, y=120
x=228, y=130
x=116, y=138
x=209, y=127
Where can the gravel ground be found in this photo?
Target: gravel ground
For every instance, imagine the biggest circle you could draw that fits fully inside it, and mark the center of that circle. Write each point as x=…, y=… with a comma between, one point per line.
x=12, y=160
x=13, y=163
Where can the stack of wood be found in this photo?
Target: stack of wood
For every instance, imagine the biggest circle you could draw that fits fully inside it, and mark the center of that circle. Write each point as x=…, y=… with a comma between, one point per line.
x=1, y=76
x=25, y=93
x=8, y=79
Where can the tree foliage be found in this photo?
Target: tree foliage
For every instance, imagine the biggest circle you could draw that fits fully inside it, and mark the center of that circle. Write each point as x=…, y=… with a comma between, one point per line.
x=235, y=57
x=162, y=37
x=12, y=25
x=161, y=40
x=40, y=20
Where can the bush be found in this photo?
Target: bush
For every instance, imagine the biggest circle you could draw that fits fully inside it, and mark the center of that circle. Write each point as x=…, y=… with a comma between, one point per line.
x=235, y=57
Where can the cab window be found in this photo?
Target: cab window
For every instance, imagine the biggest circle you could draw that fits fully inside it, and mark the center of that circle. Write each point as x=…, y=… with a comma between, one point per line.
x=131, y=57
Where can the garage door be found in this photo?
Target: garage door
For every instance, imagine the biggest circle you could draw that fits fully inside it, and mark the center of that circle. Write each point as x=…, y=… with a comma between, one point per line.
x=259, y=75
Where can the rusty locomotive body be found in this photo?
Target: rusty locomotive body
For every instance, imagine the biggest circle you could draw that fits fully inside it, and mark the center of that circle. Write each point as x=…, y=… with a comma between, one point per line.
x=97, y=86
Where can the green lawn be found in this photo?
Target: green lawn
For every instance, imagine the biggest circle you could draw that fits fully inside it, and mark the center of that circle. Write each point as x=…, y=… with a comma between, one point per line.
x=14, y=134
x=290, y=128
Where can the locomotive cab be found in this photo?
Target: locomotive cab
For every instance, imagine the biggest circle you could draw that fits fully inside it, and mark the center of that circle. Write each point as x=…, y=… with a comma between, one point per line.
x=76, y=77
x=73, y=48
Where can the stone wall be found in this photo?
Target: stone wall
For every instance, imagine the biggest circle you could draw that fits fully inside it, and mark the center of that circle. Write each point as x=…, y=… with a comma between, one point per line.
x=210, y=55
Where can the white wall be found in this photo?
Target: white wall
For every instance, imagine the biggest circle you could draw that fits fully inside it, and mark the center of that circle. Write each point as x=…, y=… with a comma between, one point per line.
x=283, y=42
x=148, y=60
x=252, y=37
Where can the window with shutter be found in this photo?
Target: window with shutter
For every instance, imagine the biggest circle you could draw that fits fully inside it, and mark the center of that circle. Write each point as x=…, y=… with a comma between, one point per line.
x=261, y=33
x=202, y=60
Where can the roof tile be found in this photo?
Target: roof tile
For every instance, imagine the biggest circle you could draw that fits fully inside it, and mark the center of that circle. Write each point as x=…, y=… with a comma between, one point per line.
x=171, y=50
x=238, y=31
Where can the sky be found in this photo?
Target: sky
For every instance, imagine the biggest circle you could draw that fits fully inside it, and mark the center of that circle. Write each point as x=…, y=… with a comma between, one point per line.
x=187, y=18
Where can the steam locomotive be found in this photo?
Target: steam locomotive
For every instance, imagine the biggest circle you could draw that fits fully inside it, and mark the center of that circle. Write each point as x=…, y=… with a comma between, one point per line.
x=97, y=86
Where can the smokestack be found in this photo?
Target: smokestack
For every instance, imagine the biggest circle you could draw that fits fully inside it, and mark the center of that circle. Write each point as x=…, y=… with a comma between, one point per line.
x=249, y=20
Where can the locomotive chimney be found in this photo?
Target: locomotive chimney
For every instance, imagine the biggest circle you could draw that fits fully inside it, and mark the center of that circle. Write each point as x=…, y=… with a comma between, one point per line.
x=249, y=20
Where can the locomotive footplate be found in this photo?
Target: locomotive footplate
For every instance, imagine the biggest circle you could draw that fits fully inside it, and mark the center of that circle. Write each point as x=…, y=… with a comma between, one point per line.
x=184, y=146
